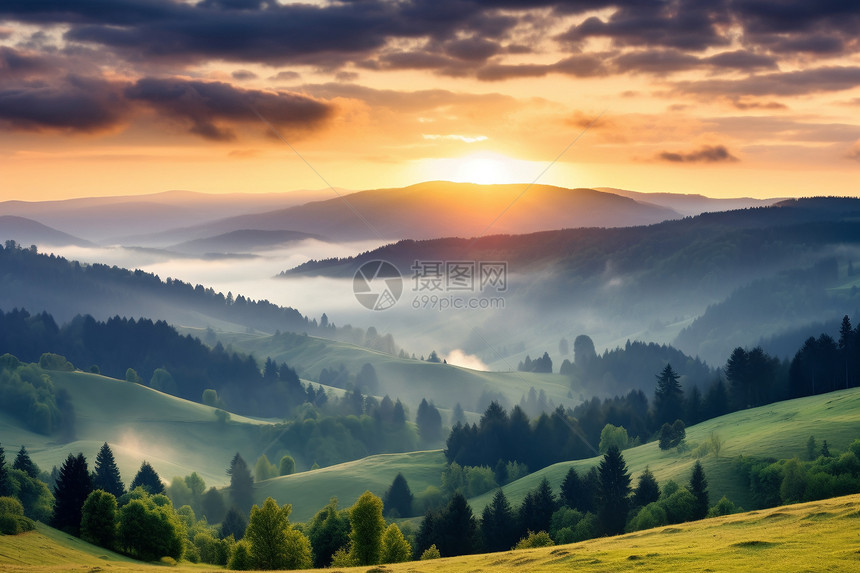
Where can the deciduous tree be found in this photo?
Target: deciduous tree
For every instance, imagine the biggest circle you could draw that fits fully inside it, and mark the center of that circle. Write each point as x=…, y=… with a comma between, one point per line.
x=367, y=523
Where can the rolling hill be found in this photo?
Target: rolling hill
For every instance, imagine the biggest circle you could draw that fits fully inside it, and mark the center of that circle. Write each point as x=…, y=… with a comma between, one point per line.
x=244, y=240
x=104, y=219
x=443, y=209
x=176, y=436
x=28, y=232
x=779, y=430
x=407, y=379
x=814, y=536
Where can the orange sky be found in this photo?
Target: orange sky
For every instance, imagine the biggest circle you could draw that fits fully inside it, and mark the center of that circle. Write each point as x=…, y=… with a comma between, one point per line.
x=724, y=99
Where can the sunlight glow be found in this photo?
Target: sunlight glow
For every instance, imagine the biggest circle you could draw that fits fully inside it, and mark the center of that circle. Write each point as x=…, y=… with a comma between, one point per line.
x=485, y=168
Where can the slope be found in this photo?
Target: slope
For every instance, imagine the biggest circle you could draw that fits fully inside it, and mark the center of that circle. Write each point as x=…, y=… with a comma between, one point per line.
x=778, y=430
x=28, y=232
x=310, y=491
x=176, y=436
x=814, y=536
x=409, y=380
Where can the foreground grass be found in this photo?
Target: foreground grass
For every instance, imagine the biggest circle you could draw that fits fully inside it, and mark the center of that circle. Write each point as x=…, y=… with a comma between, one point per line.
x=816, y=536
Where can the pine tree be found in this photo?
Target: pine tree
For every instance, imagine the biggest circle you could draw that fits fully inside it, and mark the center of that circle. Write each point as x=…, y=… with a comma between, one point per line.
x=614, y=492
x=398, y=498
x=647, y=490
x=148, y=479
x=668, y=397
x=429, y=422
x=25, y=464
x=107, y=476
x=458, y=529
x=5, y=487
x=241, y=484
x=537, y=513
x=498, y=526
x=74, y=484
x=699, y=489
x=234, y=524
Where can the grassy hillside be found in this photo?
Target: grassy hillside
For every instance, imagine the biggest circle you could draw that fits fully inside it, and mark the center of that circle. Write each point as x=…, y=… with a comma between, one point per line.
x=815, y=536
x=409, y=380
x=778, y=430
x=176, y=436
x=309, y=491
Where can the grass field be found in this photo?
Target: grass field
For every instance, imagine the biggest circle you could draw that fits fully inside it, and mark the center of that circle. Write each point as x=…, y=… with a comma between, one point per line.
x=309, y=491
x=176, y=436
x=779, y=431
x=815, y=536
x=410, y=380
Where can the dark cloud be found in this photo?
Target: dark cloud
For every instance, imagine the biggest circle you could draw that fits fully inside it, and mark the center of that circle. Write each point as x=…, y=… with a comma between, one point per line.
x=242, y=75
x=73, y=104
x=791, y=26
x=287, y=75
x=681, y=24
x=346, y=76
x=455, y=37
x=705, y=154
x=19, y=64
x=580, y=65
x=815, y=80
x=211, y=107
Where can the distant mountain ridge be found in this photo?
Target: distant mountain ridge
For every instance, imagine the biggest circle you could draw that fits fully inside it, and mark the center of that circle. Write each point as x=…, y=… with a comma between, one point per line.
x=443, y=209
x=28, y=232
x=106, y=219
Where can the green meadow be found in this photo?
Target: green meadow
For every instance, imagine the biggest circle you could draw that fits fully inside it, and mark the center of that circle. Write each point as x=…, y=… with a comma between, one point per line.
x=815, y=536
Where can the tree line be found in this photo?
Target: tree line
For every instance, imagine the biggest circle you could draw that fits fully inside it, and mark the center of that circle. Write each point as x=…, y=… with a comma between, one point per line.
x=749, y=379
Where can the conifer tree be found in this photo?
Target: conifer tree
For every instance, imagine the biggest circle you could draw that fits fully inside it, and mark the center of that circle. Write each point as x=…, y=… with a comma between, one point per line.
x=25, y=464
x=241, y=484
x=614, y=492
x=647, y=490
x=5, y=488
x=699, y=489
x=148, y=479
x=74, y=484
x=107, y=476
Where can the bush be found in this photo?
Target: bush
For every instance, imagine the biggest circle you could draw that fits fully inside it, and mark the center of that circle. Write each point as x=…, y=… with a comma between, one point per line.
x=98, y=519
x=395, y=548
x=343, y=557
x=50, y=361
x=652, y=515
x=724, y=507
x=12, y=520
x=240, y=559
x=430, y=553
x=532, y=540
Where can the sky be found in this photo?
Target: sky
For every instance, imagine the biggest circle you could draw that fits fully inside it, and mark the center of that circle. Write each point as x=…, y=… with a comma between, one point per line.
x=725, y=98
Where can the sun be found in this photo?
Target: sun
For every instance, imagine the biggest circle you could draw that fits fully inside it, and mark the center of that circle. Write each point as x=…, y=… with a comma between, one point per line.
x=483, y=168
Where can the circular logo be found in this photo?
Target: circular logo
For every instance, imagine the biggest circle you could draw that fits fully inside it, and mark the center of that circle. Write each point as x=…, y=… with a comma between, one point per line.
x=377, y=285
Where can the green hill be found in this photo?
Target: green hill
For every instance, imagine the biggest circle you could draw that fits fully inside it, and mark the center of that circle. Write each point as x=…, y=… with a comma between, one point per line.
x=778, y=430
x=815, y=536
x=176, y=436
x=309, y=491
x=409, y=380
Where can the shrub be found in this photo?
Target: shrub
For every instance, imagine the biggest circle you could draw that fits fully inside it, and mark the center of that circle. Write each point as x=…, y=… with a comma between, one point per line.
x=430, y=553
x=532, y=540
